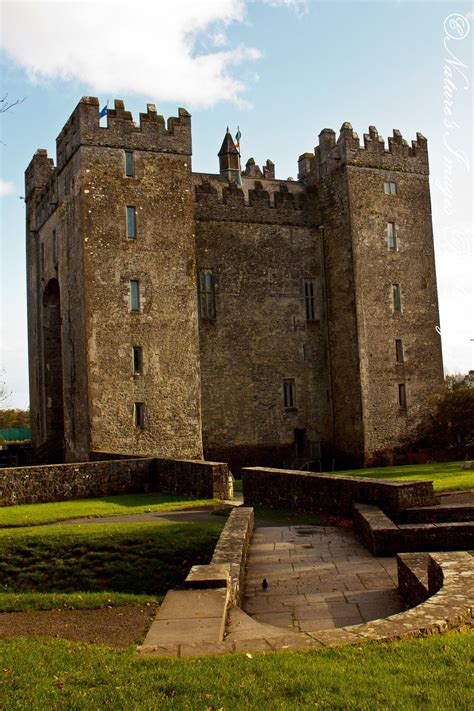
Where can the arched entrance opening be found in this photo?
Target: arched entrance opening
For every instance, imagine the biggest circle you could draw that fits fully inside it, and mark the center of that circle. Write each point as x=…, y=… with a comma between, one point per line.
x=53, y=372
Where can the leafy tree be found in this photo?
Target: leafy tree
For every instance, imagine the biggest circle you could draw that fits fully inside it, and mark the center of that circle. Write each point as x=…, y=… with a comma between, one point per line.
x=14, y=418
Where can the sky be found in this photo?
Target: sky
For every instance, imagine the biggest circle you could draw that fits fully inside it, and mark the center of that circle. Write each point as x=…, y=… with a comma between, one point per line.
x=282, y=70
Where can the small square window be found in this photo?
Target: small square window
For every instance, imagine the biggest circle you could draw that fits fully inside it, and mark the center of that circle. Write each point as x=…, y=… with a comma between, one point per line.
x=310, y=299
x=402, y=396
x=134, y=295
x=397, y=301
x=399, y=351
x=139, y=411
x=390, y=188
x=391, y=235
x=137, y=360
x=131, y=223
x=129, y=164
x=206, y=294
x=289, y=394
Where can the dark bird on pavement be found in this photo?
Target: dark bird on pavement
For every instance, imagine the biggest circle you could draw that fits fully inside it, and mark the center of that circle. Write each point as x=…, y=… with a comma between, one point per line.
x=264, y=584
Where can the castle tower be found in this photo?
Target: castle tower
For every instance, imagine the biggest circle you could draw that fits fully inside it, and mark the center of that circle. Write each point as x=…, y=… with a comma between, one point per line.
x=114, y=351
x=228, y=158
x=384, y=347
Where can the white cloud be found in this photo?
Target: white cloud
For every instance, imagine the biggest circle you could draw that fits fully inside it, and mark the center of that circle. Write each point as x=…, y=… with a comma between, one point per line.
x=6, y=188
x=301, y=7
x=154, y=48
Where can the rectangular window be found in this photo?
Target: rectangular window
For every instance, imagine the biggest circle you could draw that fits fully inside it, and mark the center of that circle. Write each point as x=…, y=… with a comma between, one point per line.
x=131, y=223
x=129, y=164
x=137, y=360
x=134, y=295
x=399, y=350
x=310, y=299
x=206, y=294
x=139, y=411
x=55, y=247
x=397, y=302
x=390, y=188
x=289, y=395
x=402, y=396
x=391, y=235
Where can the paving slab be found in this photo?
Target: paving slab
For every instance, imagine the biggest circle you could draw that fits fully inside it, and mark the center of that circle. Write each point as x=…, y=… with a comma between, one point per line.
x=319, y=577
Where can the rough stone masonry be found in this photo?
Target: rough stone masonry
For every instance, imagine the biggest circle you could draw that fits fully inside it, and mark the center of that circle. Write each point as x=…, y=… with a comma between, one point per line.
x=234, y=315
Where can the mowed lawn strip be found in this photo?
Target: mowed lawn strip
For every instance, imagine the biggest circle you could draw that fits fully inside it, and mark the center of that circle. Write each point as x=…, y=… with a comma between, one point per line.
x=431, y=673
x=121, y=505
x=131, y=558
x=446, y=476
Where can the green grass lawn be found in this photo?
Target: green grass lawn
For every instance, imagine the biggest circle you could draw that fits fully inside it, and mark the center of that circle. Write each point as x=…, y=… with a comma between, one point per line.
x=96, y=562
x=432, y=673
x=446, y=476
x=33, y=514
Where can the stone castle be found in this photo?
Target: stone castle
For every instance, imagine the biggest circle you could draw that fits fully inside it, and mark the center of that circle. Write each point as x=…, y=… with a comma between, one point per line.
x=232, y=316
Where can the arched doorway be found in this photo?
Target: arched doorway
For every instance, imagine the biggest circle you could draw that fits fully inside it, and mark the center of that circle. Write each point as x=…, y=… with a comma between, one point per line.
x=53, y=372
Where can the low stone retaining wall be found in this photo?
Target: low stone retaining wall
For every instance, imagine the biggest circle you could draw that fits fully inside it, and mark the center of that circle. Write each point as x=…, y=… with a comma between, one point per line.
x=62, y=482
x=384, y=537
x=227, y=567
x=327, y=493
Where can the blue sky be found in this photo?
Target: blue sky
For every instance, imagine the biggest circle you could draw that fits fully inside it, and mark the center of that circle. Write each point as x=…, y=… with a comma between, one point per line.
x=282, y=70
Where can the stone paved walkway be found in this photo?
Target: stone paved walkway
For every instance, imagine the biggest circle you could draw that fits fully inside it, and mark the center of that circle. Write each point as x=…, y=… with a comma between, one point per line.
x=319, y=578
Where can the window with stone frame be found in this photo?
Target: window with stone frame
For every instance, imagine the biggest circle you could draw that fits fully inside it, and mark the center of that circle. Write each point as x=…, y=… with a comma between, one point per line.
x=207, y=299
x=131, y=222
x=139, y=415
x=396, y=297
x=391, y=235
x=289, y=394
x=134, y=295
x=390, y=188
x=310, y=299
x=402, y=396
x=399, y=354
x=137, y=360
x=129, y=164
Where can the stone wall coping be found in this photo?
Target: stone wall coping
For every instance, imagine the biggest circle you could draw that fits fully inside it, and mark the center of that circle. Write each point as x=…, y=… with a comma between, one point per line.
x=329, y=475
x=71, y=465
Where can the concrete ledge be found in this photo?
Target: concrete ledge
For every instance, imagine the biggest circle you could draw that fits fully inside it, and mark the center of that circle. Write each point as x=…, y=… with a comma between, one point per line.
x=331, y=494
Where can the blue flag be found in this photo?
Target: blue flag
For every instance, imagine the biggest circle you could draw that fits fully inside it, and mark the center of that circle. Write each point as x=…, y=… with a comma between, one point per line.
x=104, y=111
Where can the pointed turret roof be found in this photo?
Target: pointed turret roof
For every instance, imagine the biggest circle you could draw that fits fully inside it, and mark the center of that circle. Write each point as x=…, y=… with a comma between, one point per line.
x=228, y=145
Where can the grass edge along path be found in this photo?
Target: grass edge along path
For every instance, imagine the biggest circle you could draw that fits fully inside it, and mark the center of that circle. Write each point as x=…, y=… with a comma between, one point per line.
x=34, y=601
x=430, y=673
x=119, y=505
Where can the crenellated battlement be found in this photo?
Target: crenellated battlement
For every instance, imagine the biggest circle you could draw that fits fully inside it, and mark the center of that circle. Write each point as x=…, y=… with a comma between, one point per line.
x=252, y=170
x=331, y=153
x=151, y=134
x=255, y=201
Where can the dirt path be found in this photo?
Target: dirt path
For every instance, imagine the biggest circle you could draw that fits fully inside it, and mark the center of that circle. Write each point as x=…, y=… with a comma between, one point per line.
x=115, y=627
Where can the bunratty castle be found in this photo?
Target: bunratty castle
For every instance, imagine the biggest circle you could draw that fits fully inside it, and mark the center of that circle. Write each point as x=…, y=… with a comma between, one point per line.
x=243, y=319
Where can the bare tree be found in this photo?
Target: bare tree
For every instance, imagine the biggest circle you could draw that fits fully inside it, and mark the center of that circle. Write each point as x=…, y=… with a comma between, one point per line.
x=6, y=105
x=5, y=393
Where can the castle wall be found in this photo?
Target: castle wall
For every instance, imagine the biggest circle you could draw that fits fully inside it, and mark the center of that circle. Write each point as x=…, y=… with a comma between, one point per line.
x=161, y=258
x=377, y=267
x=54, y=253
x=260, y=245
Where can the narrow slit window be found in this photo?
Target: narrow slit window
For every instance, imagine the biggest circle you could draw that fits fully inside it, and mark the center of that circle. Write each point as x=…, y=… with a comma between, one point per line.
x=289, y=394
x=139, y=412
x=131, y=223
x=207, y=294
x=402, y=396
x=399, y=351
x=129, y=164
x=134, y=295
x=397, y=302
x=137, y=360
x=391, y=235
x=55, y=247
x=390, y=188
x=310, y=299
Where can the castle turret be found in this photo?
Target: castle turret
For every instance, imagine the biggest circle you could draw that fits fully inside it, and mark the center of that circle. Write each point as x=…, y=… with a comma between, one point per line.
x=228, y=157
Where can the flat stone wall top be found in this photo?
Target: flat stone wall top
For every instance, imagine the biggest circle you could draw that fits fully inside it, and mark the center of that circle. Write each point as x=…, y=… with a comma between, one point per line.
x=329, y=493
